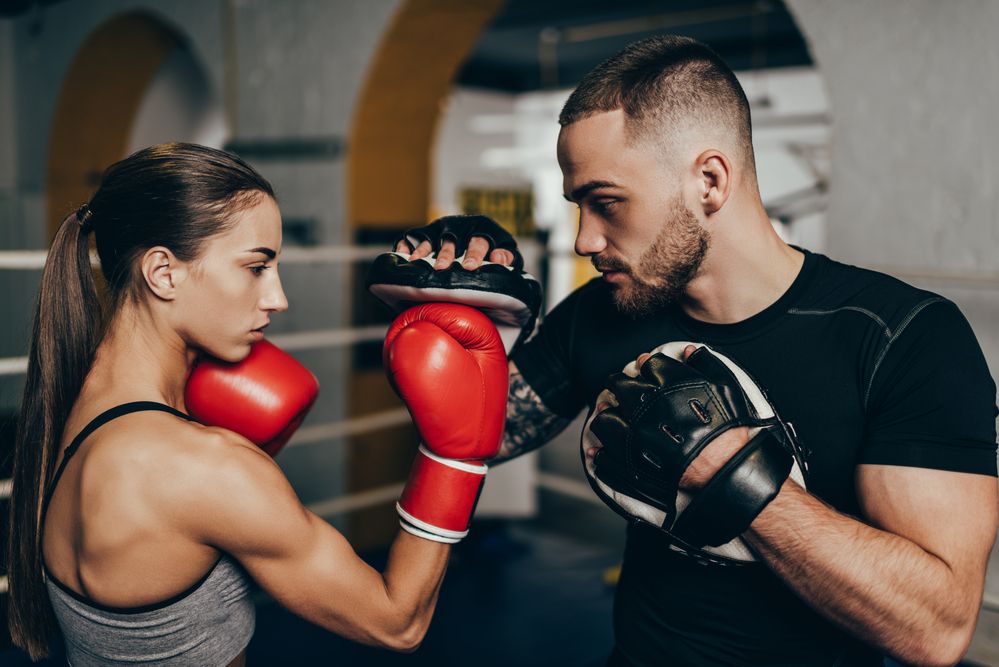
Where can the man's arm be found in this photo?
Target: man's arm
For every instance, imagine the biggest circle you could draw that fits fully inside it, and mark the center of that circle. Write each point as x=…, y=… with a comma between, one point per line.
x=911, y=582
x=529, y=424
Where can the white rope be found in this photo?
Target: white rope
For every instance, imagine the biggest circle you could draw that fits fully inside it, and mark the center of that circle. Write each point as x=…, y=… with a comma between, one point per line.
x=355, y=426
x=13, y=365
x=33, y=260
x=568, y=487
x=357, y=501
x=330, y=253
x=307, y=340
x=22, y=259
x=955, y=278
x=303, y=340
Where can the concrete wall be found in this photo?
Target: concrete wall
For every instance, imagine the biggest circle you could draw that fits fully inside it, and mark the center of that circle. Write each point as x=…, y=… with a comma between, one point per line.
x=299, y=70
x=915, y=156
x=915, y=159
x=915, y=151
x=284, y=71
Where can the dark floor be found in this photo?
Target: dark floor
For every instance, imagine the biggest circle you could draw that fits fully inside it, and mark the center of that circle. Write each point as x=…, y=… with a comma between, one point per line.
x=521, y=598
x=518, y=596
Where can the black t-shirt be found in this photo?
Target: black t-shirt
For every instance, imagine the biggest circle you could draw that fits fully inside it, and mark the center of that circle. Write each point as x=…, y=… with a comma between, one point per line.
x=867, y=368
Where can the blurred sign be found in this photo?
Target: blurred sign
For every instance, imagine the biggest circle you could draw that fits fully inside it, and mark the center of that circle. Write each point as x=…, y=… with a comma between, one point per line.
x=514, y=209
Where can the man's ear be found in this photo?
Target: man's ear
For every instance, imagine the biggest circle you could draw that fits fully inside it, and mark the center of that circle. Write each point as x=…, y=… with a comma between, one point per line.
x=163, y=272
x=714, y=174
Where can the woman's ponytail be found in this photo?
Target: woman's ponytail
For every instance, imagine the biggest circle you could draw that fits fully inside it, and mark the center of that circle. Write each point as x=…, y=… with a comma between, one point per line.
x=173, y=195
x=66, y=331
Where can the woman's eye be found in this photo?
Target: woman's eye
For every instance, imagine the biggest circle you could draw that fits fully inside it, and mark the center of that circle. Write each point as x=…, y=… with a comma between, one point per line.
x=257, y=270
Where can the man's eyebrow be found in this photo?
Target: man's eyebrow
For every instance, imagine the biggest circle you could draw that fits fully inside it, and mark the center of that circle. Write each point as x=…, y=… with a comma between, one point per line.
x=585, y=189
x=265, y=251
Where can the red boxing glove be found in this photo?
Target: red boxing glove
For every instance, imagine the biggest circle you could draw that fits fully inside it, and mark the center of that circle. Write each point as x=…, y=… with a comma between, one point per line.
x=448, y=364
x=264, y=397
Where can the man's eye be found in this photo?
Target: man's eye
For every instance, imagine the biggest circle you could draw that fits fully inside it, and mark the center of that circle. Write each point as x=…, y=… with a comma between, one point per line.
x=603, y=205
x=257, y=270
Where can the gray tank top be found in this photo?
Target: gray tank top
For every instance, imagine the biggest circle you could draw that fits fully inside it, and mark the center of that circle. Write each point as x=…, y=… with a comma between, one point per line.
x=208, y=624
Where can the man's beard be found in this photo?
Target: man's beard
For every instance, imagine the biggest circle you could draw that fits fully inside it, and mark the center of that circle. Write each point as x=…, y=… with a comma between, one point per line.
x=665, y=269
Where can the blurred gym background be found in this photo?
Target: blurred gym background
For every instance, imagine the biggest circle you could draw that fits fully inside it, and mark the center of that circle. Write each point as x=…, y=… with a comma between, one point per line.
x=875, y=141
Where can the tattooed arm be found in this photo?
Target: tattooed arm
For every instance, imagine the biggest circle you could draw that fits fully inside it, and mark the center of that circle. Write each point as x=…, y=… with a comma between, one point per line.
x=529, y=424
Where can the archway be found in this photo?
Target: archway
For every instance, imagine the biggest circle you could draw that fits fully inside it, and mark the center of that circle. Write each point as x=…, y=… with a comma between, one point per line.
x=388, y=181
x=103, y=111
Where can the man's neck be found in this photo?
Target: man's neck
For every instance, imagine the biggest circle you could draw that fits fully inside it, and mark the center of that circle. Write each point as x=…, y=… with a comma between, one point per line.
x=742, y=275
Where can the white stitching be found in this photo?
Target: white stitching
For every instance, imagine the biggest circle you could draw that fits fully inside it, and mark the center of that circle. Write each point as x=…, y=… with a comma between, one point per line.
x=901, y=327
x=873, y=316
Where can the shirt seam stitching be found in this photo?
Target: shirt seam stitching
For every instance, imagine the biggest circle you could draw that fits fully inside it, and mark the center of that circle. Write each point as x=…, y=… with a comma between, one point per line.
x=918, y=308
x=871, y=314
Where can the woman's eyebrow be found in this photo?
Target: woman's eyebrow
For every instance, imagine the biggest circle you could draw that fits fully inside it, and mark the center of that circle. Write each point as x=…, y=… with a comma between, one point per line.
x=266, y=251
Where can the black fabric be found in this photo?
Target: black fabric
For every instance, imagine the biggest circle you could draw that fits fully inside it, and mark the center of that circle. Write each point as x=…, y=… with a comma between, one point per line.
x=867, y=368
x=96, y=423
x=461, y=229
x=394, y=279
x=662, y=420
x=727, y=505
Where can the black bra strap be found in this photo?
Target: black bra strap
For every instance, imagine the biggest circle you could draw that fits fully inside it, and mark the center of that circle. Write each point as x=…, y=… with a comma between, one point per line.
x=96, y=423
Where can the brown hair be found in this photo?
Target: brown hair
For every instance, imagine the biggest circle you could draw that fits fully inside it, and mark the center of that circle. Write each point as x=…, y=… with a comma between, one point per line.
x=174, y=195
x=663, y=83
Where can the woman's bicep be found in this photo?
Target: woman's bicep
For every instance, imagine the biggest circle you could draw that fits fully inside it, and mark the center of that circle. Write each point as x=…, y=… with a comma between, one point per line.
x=251, y=512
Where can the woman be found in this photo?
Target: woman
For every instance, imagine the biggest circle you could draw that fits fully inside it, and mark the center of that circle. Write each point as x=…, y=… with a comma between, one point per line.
x=147, y=526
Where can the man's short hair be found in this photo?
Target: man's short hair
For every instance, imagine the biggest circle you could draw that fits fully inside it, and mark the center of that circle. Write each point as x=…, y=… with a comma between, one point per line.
x=664, y=84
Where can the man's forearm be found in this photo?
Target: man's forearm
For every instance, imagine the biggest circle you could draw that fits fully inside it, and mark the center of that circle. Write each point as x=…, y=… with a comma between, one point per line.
x=882, y=587
x=529, y=424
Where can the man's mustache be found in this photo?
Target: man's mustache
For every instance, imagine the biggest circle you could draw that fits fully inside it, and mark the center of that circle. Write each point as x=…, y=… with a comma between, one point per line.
x=605, y=264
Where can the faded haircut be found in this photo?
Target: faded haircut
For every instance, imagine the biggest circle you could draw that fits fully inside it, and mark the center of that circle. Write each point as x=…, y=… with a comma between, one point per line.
x=665, y=84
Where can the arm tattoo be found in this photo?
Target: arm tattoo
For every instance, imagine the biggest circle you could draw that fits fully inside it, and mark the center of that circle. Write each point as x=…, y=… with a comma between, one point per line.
x=529, y=424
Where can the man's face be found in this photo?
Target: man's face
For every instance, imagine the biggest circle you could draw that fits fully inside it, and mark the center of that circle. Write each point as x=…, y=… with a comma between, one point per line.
x=633, y=222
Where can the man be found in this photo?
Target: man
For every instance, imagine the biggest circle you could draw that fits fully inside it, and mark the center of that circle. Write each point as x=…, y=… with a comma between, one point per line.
x=886, y=550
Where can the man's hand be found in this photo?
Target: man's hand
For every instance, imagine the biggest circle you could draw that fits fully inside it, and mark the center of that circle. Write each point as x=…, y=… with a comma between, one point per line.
x=717, y=452
x=474, y=254
x=423, y=269
x=685, y=440
x=474, y=236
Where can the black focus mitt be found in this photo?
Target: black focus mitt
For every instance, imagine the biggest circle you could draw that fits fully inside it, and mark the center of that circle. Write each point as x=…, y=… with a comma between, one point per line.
x=661, y=417
x=510, y=297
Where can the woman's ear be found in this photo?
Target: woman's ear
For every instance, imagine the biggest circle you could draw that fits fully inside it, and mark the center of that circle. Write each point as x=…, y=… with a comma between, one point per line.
x=163, y=272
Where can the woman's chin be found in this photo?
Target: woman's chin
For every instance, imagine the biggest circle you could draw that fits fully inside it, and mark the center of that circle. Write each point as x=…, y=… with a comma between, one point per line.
x=231, y=354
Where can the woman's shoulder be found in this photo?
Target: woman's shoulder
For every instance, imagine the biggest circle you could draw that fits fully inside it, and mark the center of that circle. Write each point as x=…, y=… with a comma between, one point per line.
x=160, y=448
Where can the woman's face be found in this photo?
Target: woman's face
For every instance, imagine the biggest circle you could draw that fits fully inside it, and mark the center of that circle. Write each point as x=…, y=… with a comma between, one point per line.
x=233, y=287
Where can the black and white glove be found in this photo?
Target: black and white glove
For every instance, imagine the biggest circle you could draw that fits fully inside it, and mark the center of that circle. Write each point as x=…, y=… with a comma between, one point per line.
x=661, y=418
x=507, y=295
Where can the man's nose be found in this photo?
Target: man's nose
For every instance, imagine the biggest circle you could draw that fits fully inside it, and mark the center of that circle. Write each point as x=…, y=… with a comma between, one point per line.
x=589, y=239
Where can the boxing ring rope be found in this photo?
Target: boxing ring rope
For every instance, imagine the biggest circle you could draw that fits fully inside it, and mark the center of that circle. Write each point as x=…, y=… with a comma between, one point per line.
x=332, y=254
x=328, y=338
x=304, y=340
